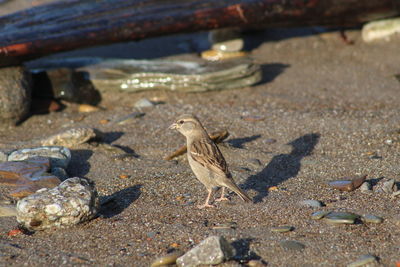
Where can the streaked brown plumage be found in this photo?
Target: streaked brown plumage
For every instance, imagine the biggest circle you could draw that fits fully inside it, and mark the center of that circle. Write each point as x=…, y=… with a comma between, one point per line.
x=205, y=158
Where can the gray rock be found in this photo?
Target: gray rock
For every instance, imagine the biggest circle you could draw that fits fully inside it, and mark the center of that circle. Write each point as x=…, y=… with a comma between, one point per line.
x=282, y=229
x=365, y=187
x=369, y=218
x=143, y=103
x=72, y=202
x=15, y=94
x=59, y=156
x=319, y=214
x=363, y=260
x=311, y=203
x=386, y=185
x=213, y=250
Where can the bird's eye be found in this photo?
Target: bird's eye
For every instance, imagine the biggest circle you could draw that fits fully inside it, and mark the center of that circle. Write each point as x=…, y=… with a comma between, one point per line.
x=181, y=122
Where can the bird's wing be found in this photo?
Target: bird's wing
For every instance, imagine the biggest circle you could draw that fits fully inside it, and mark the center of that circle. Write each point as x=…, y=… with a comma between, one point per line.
x=206, y=152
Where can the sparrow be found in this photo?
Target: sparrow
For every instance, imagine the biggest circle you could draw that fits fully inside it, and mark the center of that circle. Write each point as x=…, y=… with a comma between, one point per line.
x=206, y=160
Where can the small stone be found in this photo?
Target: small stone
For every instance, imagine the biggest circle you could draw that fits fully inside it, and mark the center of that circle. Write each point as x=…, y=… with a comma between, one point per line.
x=227, y=225
x=363, y=260
x=85, y=108
x=369, y=218
x=348, y=185
x=341, y=217
x=386, y=185
x=365, y=187
x=254, y=162
x=3, y=156
x=72, y=137
x=104, y=121
x=143, y=103
x=380, y=29
x=282, y=229
x=319, y=214
x=215, y=55
x=292, y=245
x=253, y=118
x=213, y=250
x=273, y=188
x=126, y=119
x=61, y=173
x=124, y=176
x=228, y=39
x=311, y=203
x=257, y=263
x=59, y=156
x=72, y=202
x=8, y=210
x=15, y=94
x=168, y=259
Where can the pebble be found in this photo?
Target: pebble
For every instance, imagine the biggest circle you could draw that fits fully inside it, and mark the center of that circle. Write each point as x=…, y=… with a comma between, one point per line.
x=369, y=218
x=386, y=185
x=61, y=173
x=72, y=202
x=292, y=245
x=215, y=55
x=211, y=251
x=254, y=162
x=85, y=108
x=348, y=185
x=228, y=39
x=72, y=137
x=311, y=203
x=3, y=156
x=282, y=229
x=380, y=29
x=257, y=263
x=27, y=176
x=363, y=260
x=15, y=94
x=144, y=103
x=365, y=187
x=8, y=210
x=126, y=119
x=59, y=156
x=319, y=214
x=341, y=217
x=168, y=259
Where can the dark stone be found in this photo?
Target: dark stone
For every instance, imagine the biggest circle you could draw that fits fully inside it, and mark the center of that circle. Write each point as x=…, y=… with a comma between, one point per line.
x=15, y=94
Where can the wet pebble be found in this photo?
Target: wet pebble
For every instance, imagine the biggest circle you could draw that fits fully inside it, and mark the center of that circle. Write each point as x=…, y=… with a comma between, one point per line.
x=168, y=259
x=369, y=218
x=349, y=184
x=341, y=217
x=311, y=203
x=282, y=229
x=143, y=103
x=212, y=250
x=59, y=156
x=319, y=214
x=292, y=245
x=363, y=260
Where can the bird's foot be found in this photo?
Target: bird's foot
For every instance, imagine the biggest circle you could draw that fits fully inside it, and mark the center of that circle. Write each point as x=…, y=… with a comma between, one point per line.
x=206, y=205
x=222, y=199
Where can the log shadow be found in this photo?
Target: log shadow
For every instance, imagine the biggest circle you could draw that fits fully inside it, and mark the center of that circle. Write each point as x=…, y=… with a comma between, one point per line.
x=114, y=204
x=271, y=71
x=79, y=165
x=282, y=167
x=239, y=142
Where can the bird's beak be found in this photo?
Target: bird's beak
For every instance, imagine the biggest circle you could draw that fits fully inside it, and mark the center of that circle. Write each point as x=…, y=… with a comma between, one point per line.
x=173, y=126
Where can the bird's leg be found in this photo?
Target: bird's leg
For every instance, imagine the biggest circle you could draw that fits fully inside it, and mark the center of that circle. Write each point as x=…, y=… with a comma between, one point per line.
x=222, y=198
x=206, y=204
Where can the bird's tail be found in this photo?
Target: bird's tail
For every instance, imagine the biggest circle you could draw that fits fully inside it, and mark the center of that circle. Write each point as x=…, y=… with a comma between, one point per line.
x=239, y=192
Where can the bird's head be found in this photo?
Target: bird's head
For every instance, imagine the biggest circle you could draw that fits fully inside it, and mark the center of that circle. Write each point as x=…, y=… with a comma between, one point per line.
x=187, y=125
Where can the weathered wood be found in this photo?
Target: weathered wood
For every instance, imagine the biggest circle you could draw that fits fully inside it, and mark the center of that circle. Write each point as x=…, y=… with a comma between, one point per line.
x=72, y=24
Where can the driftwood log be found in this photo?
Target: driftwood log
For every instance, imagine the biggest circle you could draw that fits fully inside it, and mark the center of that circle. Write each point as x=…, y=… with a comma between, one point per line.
x=71, y=24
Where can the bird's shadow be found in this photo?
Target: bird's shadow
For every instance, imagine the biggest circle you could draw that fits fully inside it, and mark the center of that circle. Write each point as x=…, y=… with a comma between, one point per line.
x=282, y=166
x=117, y=202
x=79, y=165
x=239, y=142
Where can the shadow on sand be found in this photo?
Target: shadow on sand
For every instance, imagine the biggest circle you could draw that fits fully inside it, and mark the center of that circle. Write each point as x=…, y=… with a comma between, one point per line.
x=282, y=167
x=114, y=204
